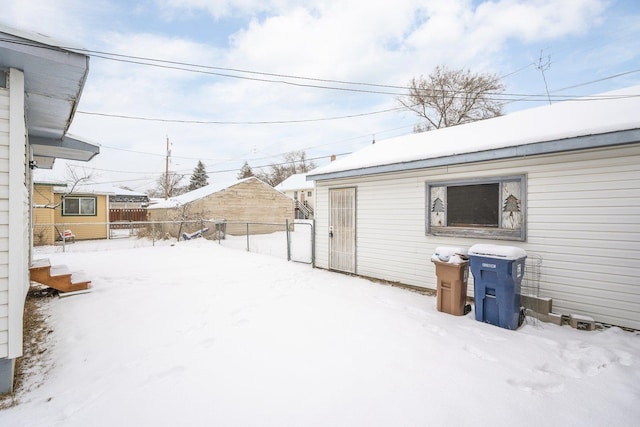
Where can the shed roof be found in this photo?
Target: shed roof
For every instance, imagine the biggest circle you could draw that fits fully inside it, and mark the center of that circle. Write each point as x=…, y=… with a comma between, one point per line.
x=183, y=199
x=295, y=182
x=570, y=125
x=54, y=79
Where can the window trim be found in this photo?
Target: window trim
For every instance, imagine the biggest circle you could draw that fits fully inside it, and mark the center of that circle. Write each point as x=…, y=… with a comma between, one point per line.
x=500, y=233
x=80, y=198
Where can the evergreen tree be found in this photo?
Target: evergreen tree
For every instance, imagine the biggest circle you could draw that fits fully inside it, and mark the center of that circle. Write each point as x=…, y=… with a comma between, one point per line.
x=199, y=178
x=245, y=171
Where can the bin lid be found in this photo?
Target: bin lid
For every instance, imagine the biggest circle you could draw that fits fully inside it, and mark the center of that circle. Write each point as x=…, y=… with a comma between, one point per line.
x=450, y=250
x=497, y=251
x=446, y=253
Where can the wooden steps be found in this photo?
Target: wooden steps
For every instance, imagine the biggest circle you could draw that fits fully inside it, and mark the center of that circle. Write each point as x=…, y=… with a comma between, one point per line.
x=57, y=277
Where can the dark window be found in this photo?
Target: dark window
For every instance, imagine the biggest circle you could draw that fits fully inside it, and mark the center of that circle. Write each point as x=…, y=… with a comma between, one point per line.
x=473, y=205
x=79, y=206
x=493, y=208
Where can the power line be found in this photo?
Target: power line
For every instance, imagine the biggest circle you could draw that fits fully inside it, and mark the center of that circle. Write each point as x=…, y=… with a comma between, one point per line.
x=207, y=69
x=500, y=96
x=520, y=97
x=220, y=122
x=202, y=69
x=146, y=178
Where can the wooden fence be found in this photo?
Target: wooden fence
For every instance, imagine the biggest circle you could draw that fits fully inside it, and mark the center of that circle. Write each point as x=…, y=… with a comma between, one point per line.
x=118, y=218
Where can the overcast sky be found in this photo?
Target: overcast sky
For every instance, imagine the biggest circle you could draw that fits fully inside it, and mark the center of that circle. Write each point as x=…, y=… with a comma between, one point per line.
x=269, y=71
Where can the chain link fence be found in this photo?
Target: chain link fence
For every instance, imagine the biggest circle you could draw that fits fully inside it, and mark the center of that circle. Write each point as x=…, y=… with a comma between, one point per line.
x=292, y=241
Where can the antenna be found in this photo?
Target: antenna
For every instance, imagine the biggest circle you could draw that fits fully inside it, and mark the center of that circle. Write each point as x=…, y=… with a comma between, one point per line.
x=542, y=67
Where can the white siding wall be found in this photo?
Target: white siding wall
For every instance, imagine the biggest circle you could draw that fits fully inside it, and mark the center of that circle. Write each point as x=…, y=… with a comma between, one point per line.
x=4, y=227
x=583, y=211
x=15, y=215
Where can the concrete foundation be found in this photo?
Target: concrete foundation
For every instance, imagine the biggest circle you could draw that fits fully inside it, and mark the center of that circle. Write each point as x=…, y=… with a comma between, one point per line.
x=554, y=318
x=538, y=304
x=583, y=323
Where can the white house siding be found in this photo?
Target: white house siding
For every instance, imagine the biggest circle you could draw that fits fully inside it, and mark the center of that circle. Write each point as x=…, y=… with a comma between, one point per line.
x=14, y=229
x=582, y=218
x=4, y=229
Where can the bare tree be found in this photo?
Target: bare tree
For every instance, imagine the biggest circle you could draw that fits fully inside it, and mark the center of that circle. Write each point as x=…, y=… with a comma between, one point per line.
x=169, y=185
x=187, y=216
x=452, y=97
x=275, y=175
x=294, y=162
x=73, y=178
x=299, y=162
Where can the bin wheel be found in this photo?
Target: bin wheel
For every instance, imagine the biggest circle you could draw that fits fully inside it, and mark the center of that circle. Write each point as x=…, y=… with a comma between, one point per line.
x=522, y=316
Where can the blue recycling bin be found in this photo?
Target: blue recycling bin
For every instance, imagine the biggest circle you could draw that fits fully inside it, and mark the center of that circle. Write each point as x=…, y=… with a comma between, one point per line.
x=497, y=276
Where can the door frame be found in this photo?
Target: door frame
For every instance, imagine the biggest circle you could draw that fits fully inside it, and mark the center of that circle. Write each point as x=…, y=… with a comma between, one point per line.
x=353, y=257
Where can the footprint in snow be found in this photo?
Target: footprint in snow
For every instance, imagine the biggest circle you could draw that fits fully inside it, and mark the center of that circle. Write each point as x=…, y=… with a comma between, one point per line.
x=483, y=335
x=533, y=386
x=436, y=330
x=479, y=353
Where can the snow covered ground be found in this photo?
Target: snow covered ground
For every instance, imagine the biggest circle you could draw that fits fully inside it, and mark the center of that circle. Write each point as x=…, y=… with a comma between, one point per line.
x=199, y=334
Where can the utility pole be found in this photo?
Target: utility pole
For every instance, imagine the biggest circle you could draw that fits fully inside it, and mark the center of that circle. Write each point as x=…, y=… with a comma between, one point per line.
x=166, y=172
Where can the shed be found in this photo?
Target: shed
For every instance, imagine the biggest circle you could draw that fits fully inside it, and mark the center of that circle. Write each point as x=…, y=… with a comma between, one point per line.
x=238, y=202
x=560, y=181
x=301, y=191
x=40, y=87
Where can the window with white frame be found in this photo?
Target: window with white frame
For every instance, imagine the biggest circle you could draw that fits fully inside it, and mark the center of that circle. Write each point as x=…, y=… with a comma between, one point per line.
x=79, y=206
x=492, y=208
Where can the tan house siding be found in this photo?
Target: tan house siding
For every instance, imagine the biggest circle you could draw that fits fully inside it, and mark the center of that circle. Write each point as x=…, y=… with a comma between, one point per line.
x=250, y=201
x=85, y=227
x=582, y=218
x=43, y=217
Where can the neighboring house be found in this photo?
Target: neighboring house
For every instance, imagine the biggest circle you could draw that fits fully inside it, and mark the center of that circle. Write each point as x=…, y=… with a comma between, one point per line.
x=301, y=191
x=244, y=201
x=44, y=209
x=89, y=211
x=40, y=87
x=560, y=181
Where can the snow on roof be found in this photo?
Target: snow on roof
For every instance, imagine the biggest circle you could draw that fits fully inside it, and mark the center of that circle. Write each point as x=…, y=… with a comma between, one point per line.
x=295, y=182
x=603, y=113
x=98, y=189
x=183, y=199
x=41, y=38
x=50, y=181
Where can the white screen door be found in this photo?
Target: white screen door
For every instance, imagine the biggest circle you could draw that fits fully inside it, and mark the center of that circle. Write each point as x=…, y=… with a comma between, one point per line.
x=342, y=229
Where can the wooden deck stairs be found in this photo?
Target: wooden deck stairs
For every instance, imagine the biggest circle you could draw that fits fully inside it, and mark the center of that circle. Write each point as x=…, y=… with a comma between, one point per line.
x=57, y=277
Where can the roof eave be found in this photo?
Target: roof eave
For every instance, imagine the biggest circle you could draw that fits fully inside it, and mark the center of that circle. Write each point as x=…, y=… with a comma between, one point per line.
x=46, y=150
x=584, y=142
